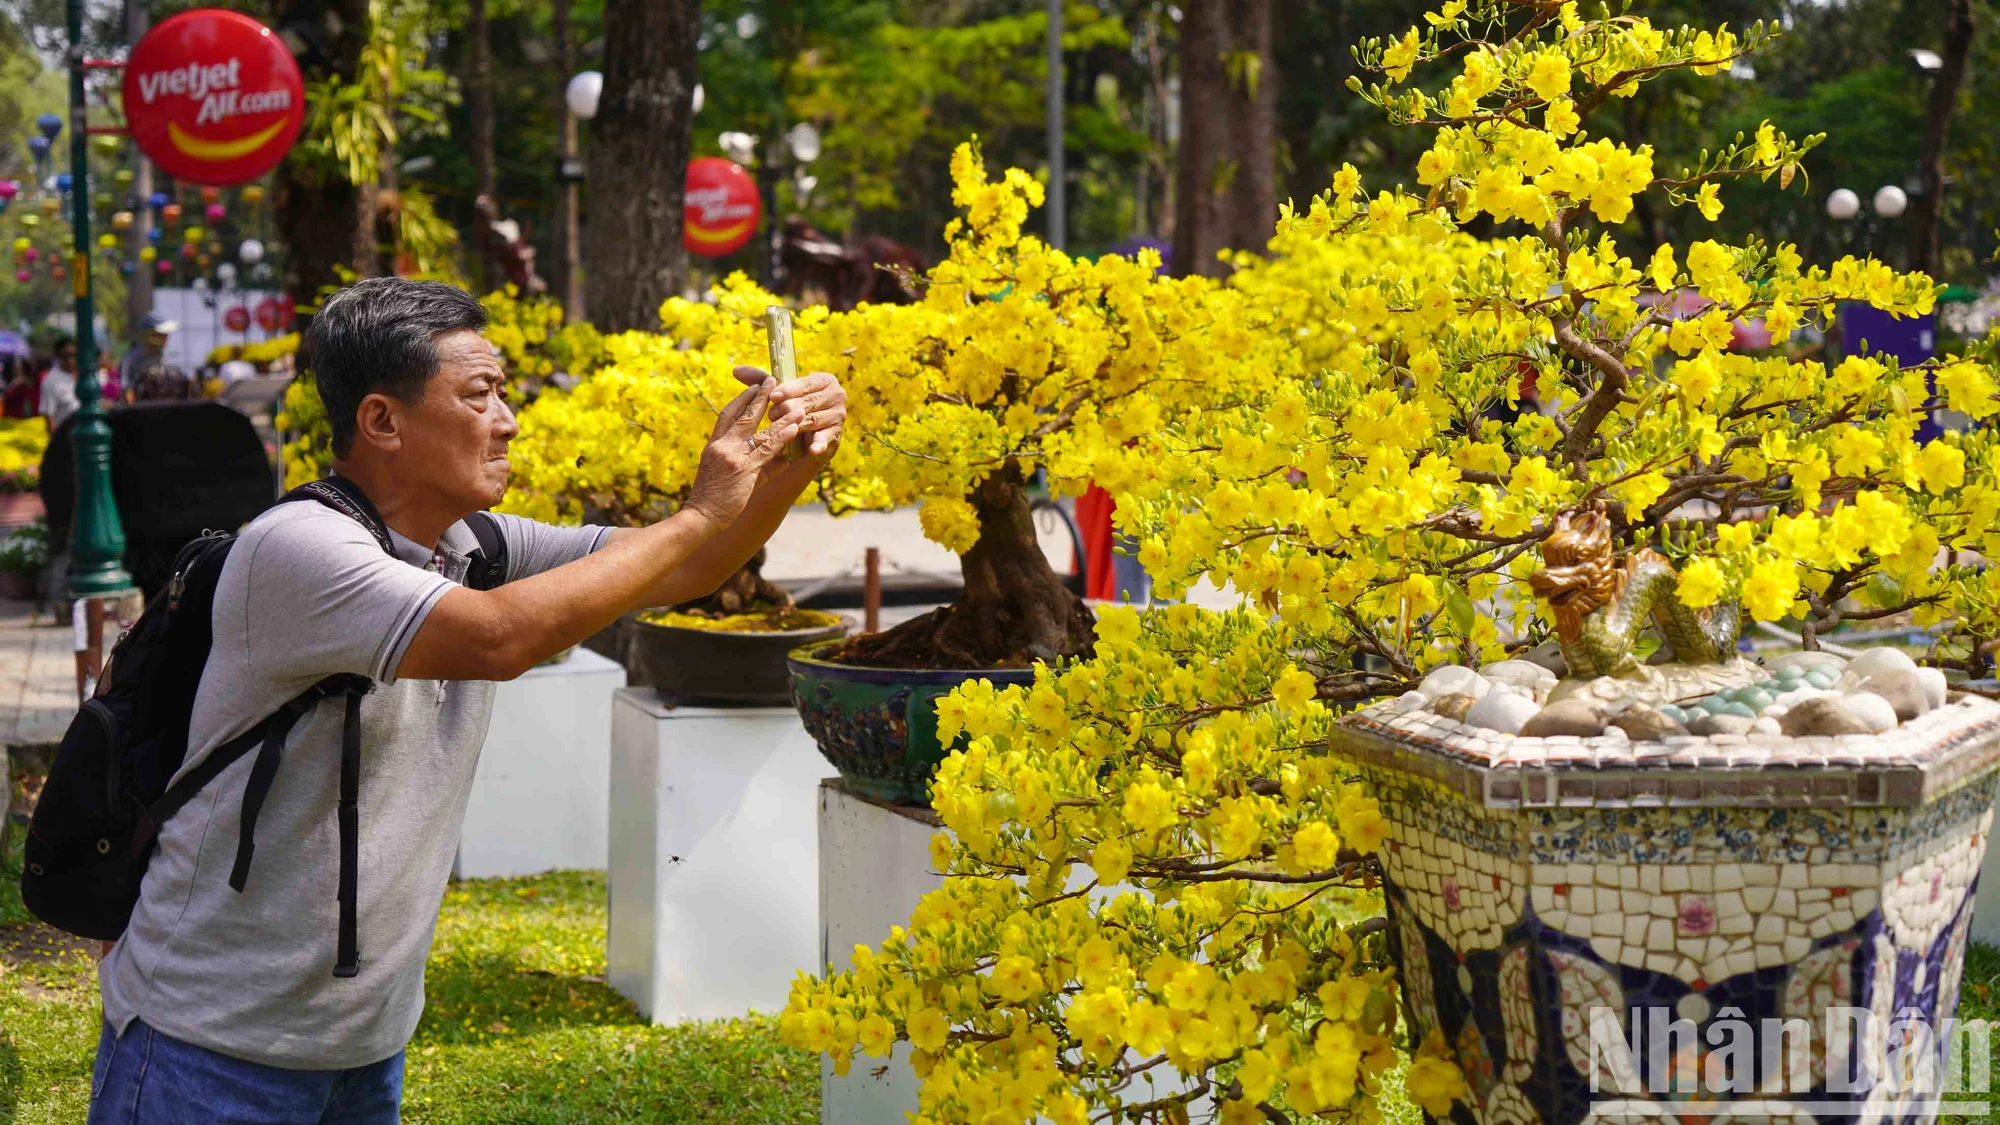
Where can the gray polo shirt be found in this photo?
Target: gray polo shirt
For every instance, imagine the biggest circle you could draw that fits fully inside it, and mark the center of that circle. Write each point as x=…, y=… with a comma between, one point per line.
x=307, y=593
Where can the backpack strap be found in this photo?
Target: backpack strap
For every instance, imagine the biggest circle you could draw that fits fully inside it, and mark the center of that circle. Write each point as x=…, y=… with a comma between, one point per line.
x=345, y=497
x=488, y=568
x=347, y=955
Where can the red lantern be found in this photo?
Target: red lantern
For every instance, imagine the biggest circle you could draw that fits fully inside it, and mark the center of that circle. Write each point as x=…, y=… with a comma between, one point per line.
x=210, y=195
x=722, y=207
x=267, y=314
x=237, y=319
x=171, y=213
x=213, y=97
x=22, y=276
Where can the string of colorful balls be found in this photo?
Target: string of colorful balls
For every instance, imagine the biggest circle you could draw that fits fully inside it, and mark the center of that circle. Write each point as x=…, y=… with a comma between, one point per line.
x=169, y=211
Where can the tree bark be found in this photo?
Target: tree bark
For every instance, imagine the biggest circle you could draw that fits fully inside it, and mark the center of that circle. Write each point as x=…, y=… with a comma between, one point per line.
x=566, y=233
x=1015, y=609
x=1204, y=148
x=1226, y=176
x=479, y=96
x=638, y=161
x=1927, y=208
x=324, y=221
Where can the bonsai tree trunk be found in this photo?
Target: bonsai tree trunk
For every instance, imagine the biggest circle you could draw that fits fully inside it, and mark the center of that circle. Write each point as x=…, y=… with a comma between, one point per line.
x=638, y=161
x=744, y=592
x=1015, y=609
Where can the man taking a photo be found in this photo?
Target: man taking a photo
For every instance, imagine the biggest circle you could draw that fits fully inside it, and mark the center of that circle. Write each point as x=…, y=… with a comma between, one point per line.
x=223, y=1006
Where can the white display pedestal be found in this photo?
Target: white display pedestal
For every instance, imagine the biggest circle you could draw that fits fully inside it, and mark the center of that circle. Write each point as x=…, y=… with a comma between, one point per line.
x=713, y=857
x=874, y=866
x=1986, y=901
x=540, y=790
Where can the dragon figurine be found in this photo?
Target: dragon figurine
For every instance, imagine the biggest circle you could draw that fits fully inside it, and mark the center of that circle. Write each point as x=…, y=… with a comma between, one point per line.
x=1601, y=603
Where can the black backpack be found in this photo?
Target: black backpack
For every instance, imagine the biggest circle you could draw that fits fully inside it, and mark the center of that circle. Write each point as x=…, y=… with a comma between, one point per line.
x=107, y=791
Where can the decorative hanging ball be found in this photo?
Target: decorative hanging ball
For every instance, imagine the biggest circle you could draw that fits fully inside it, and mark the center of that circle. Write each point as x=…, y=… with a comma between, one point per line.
x=123, y=177
x=50, y=125
x=102, y=200
x=158, y=200
x=164, y=266
x=64, y=181
x=121, y=220
x=55, y=269
x=108, y=241
x=9, y=189
x=192, y=235
x=225, y=273
x=32, y=253
x=253, y=194
x=22, y=275
x=126, y=267
x=215, y=248
x=171, y=212
x=154, y=234
x=147, y=253
x=21, y=244
x=38, y=147
x=31, y=221
x=201, y=260
x=251, y=252
x=210, y=195
x=107, y=144
x=215, y=212
x=51, y=205
x=187, y=251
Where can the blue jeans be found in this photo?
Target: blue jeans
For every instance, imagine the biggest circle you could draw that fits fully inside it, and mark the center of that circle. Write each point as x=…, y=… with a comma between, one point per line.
x=146, y=1078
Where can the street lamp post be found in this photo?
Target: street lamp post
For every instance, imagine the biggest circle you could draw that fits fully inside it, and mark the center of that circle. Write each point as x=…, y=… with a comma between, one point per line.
x=97, y=538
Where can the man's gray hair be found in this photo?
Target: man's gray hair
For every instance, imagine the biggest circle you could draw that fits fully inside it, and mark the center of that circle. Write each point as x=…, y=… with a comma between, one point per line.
x=380, y=335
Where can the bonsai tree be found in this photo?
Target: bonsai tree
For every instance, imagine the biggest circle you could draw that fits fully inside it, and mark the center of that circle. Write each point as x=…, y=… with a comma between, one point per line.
x=1021, y=358
x=1158, y=883
x=623, y=445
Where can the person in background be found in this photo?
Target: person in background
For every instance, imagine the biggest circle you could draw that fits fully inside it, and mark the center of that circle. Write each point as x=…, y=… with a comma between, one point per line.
x=22, y=397
x=58, y=397
x=110, y=384
x=150, y=351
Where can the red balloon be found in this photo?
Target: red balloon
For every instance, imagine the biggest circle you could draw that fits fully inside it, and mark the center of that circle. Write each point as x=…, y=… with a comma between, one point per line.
x=237, y=319
x=722, y=207
x=267, y=314
x=213, y=97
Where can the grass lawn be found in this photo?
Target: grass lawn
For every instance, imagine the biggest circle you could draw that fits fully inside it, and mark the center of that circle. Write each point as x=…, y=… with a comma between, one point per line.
x=519, y=1028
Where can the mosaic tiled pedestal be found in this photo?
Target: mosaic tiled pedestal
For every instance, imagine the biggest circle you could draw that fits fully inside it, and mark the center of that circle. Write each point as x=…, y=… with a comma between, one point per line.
x=1531, y=880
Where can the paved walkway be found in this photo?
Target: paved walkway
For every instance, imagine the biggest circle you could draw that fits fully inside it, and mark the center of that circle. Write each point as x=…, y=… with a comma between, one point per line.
x=37, y=675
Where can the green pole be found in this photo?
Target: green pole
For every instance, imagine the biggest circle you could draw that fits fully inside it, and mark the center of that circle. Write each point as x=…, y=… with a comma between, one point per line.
x=97, y=539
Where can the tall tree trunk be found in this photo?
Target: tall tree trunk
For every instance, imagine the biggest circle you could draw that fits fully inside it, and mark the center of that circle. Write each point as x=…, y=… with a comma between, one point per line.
x=479, y=96
x=1928, y=207
x=1227, y=193
x=1250, y=208
x=324, y=221
x=638, y=160
x=1203, y=170
x=566, y=234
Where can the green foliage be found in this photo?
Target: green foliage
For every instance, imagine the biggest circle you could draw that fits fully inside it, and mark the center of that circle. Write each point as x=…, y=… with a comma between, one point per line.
x=518, y=1026
x=349, y=125
x=26, y=549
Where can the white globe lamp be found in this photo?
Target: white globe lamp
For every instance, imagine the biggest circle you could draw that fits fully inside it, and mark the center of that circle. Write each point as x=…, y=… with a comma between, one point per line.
x=1890, y=201
x=1842, y=205
x=252, y=251
x=700, y=99
x=803, y=140
x=583, y=93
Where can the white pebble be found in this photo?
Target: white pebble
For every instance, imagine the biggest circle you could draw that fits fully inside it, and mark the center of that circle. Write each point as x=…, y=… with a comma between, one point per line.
x=1807, y=661
x=1766, y=724
x=1408, y=701
x=1934, y=686
x=1502, y=711
x=1453, y=679
x=1873, y=662
x=1871, y=709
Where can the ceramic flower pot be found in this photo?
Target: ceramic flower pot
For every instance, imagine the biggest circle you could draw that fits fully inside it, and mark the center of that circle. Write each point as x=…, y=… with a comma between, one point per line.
x=704, y=666
x=1538, y=884
x=17, y=508
x=878, y=726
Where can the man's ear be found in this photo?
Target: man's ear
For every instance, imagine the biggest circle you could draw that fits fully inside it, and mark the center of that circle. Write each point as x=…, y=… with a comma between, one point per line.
x=378, y=422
